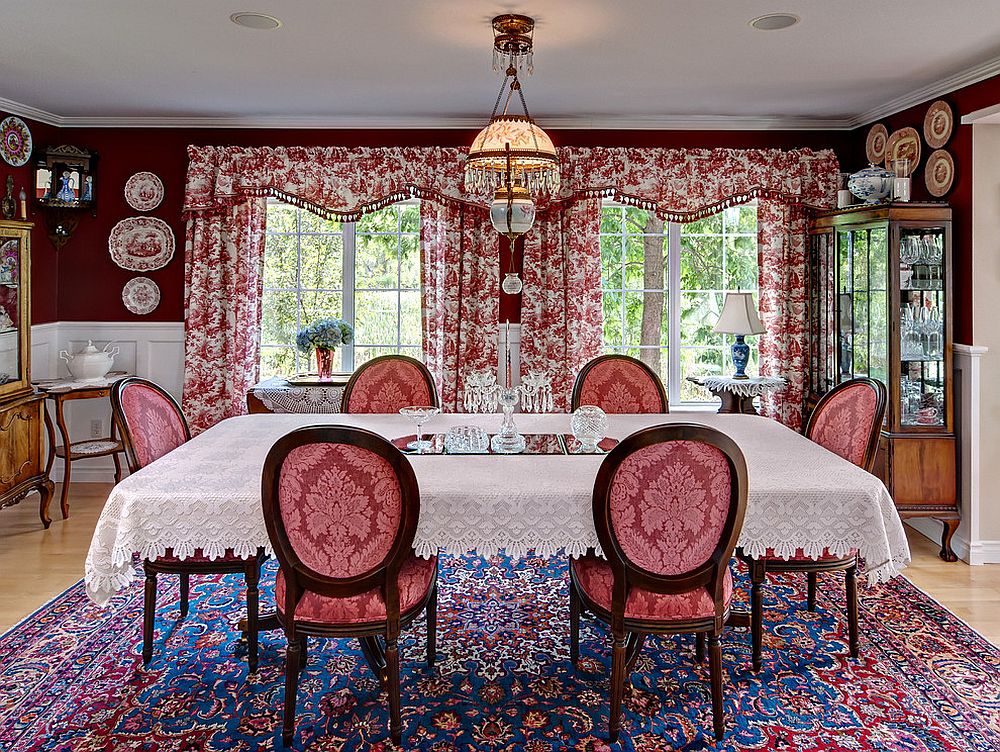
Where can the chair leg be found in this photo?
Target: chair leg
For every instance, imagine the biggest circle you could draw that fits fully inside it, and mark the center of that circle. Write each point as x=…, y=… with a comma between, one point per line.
x=699, y=647
x=811, y=582
x=617, y=687
x=185, y=594
x=758, y=571
x=432, y=606
x=392, y=680
x=715, y=670
x=852, y=608
x=303, y=652
x=252, y=575
x=574, y=625
x=292, y=659
x=148, y=616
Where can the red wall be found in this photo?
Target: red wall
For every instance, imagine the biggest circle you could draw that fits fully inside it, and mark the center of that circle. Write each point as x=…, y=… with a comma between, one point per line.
x=963, y=101
x=82, y=283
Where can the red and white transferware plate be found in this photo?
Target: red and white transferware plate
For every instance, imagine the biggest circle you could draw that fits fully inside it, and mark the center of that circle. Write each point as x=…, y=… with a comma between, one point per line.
x=15, y=141
x=144, y=191
x=939, y=173
x=141, y=244
x=903, y=144
x=141, y=295
x=875, y=143
x=938, y=124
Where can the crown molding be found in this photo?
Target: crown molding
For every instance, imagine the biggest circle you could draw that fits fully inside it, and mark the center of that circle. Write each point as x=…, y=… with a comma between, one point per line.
x=939, y=88
x=27, y=111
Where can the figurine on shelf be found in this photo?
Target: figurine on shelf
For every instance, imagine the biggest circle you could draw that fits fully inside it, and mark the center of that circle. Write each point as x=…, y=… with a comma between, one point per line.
x=88, y=188
x=66, y=192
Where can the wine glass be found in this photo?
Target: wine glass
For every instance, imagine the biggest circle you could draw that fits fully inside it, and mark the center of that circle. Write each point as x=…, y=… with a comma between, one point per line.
x=419, y=414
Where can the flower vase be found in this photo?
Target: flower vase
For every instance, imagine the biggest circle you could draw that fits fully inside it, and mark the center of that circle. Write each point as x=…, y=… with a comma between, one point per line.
x=324, y=363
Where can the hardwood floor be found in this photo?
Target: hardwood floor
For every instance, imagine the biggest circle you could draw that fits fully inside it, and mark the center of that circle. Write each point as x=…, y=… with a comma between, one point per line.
x=37, y=564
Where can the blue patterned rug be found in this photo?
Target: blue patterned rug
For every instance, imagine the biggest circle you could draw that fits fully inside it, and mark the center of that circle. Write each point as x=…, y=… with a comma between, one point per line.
x=71, y=679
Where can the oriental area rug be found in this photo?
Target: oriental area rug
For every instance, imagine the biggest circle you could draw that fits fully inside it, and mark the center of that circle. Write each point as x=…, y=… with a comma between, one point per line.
x=72, y=680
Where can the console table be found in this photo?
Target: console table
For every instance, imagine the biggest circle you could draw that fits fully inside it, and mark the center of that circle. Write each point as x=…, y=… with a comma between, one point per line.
x=278, y=395
x=60, y=391
x=737, y=395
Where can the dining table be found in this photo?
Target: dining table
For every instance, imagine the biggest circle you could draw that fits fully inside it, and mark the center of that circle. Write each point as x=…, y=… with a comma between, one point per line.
x=206, y=495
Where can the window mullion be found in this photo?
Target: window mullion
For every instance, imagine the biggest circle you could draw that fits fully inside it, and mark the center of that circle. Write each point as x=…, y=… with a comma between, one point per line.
x=674, y=309
x=349, y=230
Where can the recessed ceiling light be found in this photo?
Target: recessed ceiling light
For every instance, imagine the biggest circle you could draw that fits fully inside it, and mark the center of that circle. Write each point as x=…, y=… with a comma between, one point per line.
x=774, y=21
x=255, y=21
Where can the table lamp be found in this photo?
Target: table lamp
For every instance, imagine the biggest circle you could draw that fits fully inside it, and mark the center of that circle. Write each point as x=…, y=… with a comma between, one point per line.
x=739, y=317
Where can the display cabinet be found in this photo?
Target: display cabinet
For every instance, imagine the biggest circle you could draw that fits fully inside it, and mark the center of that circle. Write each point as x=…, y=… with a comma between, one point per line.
x=879, y=304
x=22, y=466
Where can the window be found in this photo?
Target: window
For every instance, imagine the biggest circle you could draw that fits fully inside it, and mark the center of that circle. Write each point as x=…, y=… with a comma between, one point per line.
x=663, y=287
x=367, y=272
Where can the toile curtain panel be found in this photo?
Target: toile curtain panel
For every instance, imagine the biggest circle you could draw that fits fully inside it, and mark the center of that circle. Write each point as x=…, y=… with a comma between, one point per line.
x=225, y=205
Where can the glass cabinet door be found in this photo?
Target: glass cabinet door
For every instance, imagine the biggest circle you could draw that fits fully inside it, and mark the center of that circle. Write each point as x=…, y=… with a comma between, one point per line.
x=821, y=313
x=11, y=357
x=862, y=303
x=922, y=308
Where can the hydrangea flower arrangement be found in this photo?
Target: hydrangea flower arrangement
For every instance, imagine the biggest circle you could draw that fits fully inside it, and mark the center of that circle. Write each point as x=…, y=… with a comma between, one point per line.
x=325, y=334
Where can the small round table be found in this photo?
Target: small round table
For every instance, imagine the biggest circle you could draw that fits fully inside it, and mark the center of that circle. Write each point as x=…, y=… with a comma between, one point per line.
x=737, y=395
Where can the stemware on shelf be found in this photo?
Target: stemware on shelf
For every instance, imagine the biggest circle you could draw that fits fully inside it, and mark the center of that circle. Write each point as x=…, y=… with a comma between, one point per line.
x=419, y=414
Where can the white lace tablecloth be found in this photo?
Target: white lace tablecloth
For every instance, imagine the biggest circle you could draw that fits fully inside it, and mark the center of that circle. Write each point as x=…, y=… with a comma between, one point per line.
x=754, y=386
x=278, y=396
x=206, y=494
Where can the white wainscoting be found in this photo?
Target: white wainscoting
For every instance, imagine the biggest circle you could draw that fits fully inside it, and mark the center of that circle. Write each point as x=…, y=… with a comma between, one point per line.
x=153, y=350
x=968, y=542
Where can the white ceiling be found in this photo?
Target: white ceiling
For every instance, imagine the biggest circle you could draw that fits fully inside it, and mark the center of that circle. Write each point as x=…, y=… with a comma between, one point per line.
x=379, y=63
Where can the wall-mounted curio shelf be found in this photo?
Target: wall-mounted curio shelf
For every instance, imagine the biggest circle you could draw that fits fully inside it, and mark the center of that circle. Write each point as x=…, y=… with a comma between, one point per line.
x=65, y=186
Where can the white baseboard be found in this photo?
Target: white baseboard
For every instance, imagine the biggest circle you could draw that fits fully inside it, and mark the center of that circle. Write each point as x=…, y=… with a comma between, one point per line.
x=153, y=350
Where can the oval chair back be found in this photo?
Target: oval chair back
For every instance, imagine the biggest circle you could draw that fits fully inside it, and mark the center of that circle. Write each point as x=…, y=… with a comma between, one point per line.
x=669, y=503
x=387, y=383
x=341, y=507
x=619, y=384
x=847, y=420
x=149, y=420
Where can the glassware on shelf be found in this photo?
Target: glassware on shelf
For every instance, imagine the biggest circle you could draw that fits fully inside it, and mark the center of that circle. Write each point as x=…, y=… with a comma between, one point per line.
x=589, y=425
x=419, y=414
x=909, y=252
x=466, y=440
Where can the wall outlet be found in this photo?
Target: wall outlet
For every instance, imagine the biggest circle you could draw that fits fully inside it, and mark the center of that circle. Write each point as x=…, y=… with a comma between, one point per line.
x=96, y=429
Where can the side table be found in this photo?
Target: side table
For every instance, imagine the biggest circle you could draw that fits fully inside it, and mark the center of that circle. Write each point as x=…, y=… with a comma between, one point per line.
x=737, y=395
x=60, y=391
x=278, y=395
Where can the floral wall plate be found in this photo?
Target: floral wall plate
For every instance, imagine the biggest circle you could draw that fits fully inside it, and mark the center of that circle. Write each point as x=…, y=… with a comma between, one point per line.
x=141, y=295
x=938, y=124
x=15, y=141
x=903, y=144
x=939, y=173
x=144, y=191
x=141, y=244
x=875, y=143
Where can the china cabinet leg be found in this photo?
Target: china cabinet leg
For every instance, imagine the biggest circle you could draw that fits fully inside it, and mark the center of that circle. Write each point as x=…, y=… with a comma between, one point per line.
x=45, y=492
x=950, y=526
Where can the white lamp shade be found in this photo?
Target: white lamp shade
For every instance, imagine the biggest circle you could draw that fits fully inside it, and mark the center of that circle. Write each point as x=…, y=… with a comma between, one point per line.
x=739, y=315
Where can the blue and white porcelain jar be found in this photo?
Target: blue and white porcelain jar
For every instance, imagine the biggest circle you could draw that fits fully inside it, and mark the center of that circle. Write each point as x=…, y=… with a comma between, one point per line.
x=872, y=184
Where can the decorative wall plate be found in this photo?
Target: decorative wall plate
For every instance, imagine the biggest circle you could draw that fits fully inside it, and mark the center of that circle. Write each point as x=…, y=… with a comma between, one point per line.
x=939, y=173
x=875, y=143
x=143, y=191
x=141, y=295
x=15, y=141
x=938, y=124
x=141, y=244
x=903, y=144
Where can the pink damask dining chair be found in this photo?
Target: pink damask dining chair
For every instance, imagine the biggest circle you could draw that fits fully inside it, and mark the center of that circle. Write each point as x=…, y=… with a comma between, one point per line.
x=619, y=384
x=668, y=505
x=341, y=507
x=387, y=383
x=847, y=420
x=151, y=425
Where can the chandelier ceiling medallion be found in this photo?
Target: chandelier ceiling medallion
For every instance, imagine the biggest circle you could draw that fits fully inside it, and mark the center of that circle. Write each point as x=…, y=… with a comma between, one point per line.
x=512, y=156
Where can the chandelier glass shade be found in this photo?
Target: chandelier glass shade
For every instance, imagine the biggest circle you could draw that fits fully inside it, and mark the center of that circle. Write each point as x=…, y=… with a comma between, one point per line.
x=533, y=161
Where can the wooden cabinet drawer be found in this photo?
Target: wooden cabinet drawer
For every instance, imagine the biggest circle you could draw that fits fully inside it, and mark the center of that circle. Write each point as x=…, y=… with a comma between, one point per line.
x=21, y=428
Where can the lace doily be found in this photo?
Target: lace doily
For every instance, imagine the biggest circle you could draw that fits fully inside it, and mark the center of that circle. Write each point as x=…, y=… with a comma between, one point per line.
x=278, y=396
x=206, y=494
x=752, y=387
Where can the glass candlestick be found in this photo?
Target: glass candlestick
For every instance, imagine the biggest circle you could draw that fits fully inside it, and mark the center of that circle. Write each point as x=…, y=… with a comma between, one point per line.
x=508, y=440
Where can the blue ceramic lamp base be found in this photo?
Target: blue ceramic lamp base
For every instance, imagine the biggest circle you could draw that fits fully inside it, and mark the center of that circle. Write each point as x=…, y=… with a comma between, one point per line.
x=741, y=355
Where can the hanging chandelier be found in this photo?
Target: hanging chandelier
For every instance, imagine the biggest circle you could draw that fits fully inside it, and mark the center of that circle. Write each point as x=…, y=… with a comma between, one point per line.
x=512, y=156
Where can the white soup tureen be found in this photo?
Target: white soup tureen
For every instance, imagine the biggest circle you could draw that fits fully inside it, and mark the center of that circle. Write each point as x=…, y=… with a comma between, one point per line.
x=90, y=364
